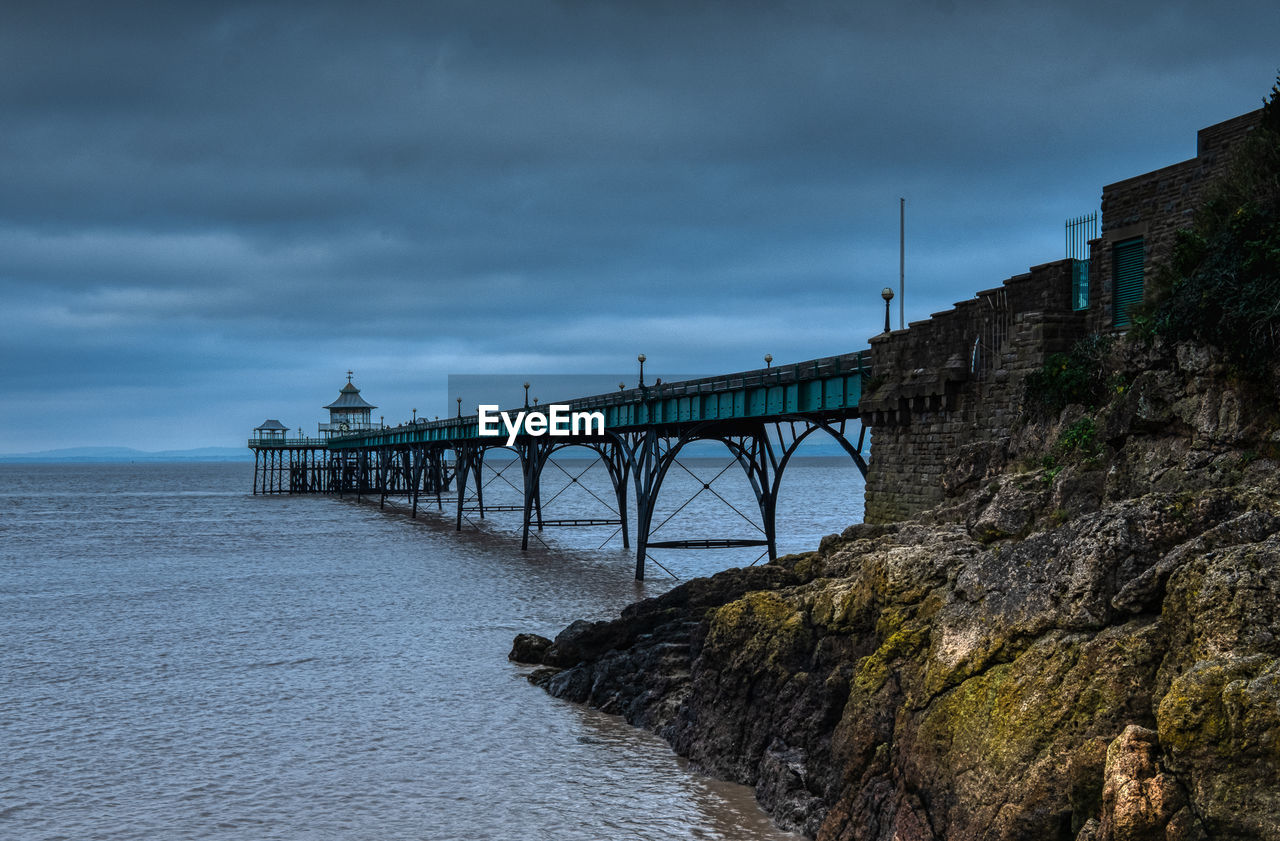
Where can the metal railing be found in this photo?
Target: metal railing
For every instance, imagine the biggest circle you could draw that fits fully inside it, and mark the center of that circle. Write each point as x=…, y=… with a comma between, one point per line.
x=1079, y=232
x=856, y=363
x=813, y=369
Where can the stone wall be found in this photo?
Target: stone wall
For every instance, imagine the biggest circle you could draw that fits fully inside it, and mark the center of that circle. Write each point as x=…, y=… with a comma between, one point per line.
x=946, y=391
x=1155, y=205
x=953, y=383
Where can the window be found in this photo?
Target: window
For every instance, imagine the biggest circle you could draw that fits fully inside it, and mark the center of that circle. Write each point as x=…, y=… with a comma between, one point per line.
x=1126, y=257
x=1080, y=285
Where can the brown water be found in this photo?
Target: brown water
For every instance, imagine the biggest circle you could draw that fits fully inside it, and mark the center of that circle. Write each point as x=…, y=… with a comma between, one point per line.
x=183, y=660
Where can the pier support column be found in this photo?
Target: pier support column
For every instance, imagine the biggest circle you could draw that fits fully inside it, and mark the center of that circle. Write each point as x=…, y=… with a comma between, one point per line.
x=614, y=456
x=470, y=461
x=417, y=459
x=533, y=456
x=648, y=468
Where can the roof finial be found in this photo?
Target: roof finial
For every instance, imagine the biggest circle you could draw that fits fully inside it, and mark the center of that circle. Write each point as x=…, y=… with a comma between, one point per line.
x=350, y=373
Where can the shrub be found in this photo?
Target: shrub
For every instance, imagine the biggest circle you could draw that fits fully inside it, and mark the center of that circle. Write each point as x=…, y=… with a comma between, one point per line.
x=1078, y=376
x=1077, y=443
x=1222, y=283
x=1080, y=439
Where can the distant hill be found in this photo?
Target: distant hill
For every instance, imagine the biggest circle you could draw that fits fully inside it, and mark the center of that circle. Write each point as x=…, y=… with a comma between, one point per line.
x=118, y=454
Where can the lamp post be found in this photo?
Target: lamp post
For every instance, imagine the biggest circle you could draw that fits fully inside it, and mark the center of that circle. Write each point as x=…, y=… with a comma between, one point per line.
x=641, y=359
x=382, y=421
x=526, y=394
x=415, y=415
x=768, y=360
x=459, y=407
x=887, y=294
x=622, y=386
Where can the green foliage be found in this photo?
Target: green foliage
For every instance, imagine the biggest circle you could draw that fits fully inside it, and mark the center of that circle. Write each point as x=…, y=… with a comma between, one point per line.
x=1080, y=439
x=1222, y=284
x=1078, y=376
x=1051, y=468
x=1077, y=443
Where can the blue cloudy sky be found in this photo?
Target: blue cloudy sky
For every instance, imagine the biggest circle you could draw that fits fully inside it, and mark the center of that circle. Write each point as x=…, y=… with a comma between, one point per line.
x=210, y=211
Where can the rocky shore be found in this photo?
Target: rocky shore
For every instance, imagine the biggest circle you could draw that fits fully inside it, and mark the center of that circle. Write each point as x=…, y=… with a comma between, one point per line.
x=1082, y=643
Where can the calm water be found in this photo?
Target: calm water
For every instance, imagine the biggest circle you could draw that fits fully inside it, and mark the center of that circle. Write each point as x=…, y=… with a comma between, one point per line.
x=183, y=660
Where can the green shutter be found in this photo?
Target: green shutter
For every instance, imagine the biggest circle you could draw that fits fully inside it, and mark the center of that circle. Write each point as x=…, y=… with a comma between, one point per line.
x=1127, y=260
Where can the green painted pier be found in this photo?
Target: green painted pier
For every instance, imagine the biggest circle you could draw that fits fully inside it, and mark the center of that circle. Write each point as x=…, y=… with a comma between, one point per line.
x=760, y=416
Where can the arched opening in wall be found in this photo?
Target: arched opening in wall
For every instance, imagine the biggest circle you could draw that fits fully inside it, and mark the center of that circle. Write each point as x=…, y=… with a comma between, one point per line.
x=821, y=492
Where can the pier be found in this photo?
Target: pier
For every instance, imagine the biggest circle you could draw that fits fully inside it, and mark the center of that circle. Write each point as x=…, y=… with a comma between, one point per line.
x=760, y=416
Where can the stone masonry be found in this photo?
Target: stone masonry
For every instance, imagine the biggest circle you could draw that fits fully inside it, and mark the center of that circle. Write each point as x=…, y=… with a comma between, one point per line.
x=1155, y=206
x=946, y=390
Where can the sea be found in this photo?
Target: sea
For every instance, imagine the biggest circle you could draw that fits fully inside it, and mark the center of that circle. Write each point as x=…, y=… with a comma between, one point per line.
x=182, y=659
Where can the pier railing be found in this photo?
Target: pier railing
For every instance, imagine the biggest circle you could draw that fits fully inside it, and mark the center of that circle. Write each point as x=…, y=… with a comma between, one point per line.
x=830, y=384
x=260, y=443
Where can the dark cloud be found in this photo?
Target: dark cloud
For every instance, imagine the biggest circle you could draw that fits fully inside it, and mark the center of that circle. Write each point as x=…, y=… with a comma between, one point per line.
x=209, y=211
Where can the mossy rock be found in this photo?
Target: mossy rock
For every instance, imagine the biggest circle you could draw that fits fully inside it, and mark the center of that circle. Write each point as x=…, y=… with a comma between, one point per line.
x=761, y=627
x=1038, y=719
x=1219, y=724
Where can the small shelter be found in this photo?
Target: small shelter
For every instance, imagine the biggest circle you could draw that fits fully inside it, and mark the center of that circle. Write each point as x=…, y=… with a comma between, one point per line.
x=270, y=430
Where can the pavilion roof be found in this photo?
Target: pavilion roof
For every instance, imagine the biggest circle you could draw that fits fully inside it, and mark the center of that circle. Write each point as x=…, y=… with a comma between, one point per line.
x=349, y=398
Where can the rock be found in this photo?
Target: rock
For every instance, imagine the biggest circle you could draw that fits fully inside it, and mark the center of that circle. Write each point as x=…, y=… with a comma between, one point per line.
x=1138, y=797
x=1220, y=725
x=529, y=648
x=971, y=464
x=583, y=641
x=1012, y=509
x=1077, y=490
x=1091, y=654
x=1147, y=589
x=1195, y=360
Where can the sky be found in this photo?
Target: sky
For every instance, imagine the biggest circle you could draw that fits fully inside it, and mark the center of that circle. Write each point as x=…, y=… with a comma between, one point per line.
x=209, y=212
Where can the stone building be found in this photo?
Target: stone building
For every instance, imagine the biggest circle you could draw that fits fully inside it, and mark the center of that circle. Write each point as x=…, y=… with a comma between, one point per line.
x=951, y=385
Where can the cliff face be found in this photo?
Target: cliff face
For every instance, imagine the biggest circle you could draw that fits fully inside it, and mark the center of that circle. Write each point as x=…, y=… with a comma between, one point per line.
x=1082, y=642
